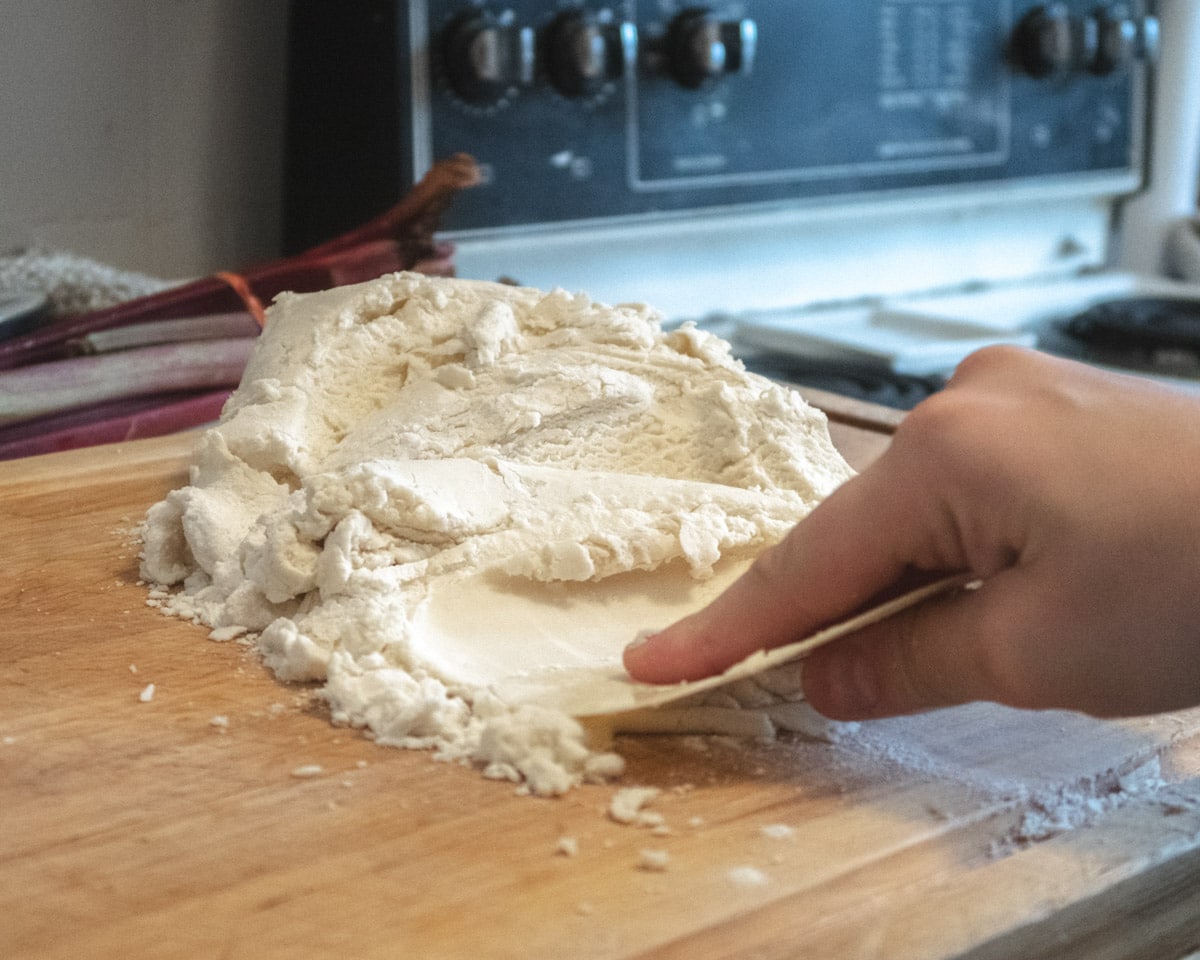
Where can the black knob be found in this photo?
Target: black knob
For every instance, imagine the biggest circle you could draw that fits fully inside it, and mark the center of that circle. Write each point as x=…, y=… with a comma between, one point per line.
x=1046, y=41
x=487, y=57
x=700, y=47
x=584, y=51
x=1119, y=41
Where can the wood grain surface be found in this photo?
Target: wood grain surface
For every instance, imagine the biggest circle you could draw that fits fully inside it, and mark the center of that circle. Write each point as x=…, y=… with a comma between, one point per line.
x=154, y=829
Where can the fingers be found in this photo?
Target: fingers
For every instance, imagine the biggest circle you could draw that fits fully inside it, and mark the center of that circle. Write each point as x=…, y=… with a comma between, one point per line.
x=906, y=512
x=1079, y=534
x=989, y=643
x=842, y=554
x=899, y=665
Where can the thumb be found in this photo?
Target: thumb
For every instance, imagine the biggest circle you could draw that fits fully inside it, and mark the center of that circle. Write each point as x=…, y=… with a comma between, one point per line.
x=953, y=649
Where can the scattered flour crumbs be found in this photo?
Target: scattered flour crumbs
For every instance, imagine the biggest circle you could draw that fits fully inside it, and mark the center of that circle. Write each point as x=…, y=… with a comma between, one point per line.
x=395, y=437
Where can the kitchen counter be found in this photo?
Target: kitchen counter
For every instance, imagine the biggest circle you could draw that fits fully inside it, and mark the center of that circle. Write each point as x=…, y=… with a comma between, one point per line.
x=223, y=816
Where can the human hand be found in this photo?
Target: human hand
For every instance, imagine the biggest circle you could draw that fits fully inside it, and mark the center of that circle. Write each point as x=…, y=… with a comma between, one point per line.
x=1073, y=494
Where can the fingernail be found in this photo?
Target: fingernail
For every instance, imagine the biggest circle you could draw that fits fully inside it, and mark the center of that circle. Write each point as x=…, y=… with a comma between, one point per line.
x=640, y=639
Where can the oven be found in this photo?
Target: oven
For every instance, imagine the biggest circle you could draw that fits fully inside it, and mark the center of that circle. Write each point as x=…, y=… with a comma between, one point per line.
x=855, y=194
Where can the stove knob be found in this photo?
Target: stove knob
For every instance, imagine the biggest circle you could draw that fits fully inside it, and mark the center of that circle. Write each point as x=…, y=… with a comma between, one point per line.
x=700, y=47
x=1120, y=41
x=1045, y=41
x=487, y=57
x=584, y=51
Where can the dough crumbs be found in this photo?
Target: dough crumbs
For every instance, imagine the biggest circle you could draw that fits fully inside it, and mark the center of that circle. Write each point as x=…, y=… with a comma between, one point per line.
x=627, y=803
x=406, y=452
x=147, y=693
x=567, y=847
x=307, y=771
x=777, y=831
x=220, y=722
x=225, y=634
x=654, y=861
x=747, y=877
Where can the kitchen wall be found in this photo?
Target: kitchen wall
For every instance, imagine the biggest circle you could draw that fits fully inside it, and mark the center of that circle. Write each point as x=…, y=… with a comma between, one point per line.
x=144, y=133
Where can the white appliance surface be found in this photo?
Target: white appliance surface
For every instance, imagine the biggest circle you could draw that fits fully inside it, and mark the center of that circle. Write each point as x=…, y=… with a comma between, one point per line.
x=930, y=335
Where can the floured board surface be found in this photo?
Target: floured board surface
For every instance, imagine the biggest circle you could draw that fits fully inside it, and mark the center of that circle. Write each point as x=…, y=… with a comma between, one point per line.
x=221, y=815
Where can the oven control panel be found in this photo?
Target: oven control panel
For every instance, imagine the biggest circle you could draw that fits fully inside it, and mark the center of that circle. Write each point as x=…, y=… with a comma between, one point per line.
x=583, y=109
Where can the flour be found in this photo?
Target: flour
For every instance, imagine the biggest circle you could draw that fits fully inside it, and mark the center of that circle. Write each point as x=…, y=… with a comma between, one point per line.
x=747, y=877
x=1048, y=813
x=654, y=861
x=627, y=806
x=404, y=455
x=567, y=847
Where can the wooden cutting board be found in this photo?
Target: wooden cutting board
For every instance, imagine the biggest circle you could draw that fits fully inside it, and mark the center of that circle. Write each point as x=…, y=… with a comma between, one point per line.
x=178, y=826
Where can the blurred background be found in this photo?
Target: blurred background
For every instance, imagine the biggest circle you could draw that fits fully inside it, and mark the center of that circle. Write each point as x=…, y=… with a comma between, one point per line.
x=144, y=133
x=855, y=195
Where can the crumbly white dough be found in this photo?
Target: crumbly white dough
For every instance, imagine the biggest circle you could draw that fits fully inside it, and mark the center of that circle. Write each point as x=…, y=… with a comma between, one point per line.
x=747, y=877
x=567, y=847
x=627, y=804
x=415, y=438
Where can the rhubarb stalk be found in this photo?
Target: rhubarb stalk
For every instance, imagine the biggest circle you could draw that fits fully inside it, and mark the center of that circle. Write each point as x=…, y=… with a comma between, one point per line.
x=47, y=388
x=216, y=326
x=398, y=239
x=111, y=423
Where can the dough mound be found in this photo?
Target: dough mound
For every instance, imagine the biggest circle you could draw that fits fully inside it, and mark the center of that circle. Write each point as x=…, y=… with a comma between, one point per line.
x=397, y=438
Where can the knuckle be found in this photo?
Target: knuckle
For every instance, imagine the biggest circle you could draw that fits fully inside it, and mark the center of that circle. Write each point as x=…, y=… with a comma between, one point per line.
x=992, y=359
x=919, y=683
x=941, y=415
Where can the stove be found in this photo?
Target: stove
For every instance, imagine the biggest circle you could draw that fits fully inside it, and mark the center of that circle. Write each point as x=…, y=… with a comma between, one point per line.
x=856, y=194
x=888, y=351
x=1155, y=335
x=860, y=381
